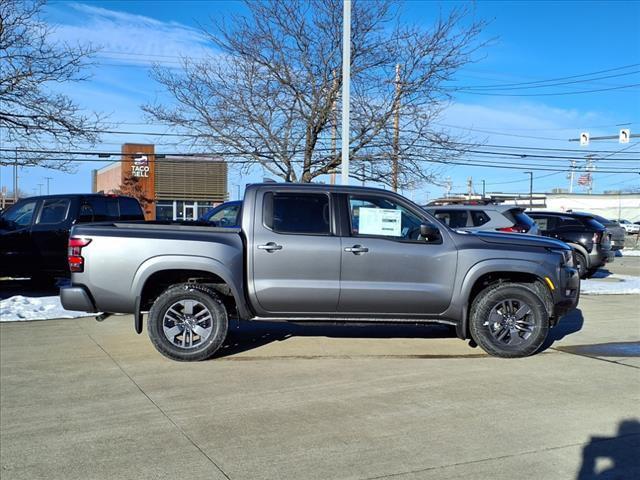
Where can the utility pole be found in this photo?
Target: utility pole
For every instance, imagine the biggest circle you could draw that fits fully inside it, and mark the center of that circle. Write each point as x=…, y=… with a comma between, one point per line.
x=396, y=133
x=47, y=179
x=530, y=189
x=571, y=175
x=590, y=167
x=483, y=190
x=40, y=185
x=346, y=85
x=469, y=187
x=15, y=178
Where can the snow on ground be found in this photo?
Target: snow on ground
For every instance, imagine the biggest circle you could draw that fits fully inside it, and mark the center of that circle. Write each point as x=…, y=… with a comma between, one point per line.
x=18, y=308
x=615, y=284
x=630, y=253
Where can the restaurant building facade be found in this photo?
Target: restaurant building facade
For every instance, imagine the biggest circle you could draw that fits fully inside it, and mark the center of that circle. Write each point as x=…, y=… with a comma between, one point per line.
x=180, y=188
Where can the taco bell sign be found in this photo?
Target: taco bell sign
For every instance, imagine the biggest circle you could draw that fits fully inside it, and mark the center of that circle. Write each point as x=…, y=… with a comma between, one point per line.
x=140, y=166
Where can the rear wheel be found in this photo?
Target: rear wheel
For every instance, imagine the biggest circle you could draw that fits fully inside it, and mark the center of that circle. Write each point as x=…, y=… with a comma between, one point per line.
x=188, y=322
x=509, y=320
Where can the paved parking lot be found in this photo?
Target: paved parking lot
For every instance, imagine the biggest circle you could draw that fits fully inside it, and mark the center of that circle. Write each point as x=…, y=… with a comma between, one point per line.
x=84, y=400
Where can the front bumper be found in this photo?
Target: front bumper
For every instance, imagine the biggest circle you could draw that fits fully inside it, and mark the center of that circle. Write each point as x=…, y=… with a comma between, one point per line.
x=567, y=292
x=76, y=298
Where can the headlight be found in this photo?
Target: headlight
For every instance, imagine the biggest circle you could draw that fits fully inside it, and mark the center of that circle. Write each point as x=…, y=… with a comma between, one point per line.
x=567, y=257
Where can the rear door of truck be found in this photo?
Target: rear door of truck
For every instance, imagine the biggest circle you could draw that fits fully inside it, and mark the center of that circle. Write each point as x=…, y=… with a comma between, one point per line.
x=296, y=253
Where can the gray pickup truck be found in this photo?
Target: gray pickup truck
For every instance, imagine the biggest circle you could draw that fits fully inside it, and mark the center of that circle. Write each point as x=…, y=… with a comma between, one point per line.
x=310, y=253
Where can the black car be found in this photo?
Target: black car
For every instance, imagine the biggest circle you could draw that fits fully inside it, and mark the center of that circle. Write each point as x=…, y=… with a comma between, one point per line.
x=34, y=233
x=589, y=239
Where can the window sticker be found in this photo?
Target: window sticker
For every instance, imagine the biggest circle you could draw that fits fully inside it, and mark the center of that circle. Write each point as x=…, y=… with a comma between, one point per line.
x=380, y=221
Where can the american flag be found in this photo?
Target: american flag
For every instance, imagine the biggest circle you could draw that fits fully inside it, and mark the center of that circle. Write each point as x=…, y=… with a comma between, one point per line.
x=584, y=179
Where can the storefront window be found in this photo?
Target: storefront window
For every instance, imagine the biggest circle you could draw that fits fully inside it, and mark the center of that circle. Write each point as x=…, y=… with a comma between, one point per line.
x=164, y=211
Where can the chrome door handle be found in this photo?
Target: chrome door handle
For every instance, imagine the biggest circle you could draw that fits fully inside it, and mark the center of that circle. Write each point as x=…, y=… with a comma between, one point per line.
x=356, y=249
x=270, y=247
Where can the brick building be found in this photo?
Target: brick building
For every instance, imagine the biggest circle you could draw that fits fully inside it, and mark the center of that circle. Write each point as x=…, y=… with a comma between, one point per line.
x=182, y=188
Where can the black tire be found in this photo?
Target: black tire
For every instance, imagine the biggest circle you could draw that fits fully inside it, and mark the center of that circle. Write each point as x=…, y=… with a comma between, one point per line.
x=530, y=332
x=216, y=320
x=581, y=263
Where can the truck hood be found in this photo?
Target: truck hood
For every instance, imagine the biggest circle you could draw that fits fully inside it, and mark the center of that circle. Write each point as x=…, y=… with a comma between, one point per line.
x=519, y=239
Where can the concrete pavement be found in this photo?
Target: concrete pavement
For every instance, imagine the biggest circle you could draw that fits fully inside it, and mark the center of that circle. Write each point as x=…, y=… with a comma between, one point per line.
x=85, y=400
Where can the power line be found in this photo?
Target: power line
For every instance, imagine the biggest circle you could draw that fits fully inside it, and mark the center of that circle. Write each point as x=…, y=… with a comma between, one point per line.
x=209, y=158
x=552, y=94
x=624, y=67
x=263, y=152
x=589, y=80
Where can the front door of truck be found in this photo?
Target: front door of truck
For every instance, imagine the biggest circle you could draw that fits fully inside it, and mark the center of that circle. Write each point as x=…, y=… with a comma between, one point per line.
x=386, y=266
x=296, y=255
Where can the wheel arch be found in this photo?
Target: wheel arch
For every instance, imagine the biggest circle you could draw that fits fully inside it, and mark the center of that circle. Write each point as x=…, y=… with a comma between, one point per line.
x=157, y=273
x=481, y=277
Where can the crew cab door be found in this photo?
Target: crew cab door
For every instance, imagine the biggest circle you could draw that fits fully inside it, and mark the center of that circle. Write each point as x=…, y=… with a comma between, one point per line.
x=17, y=255
x=295, y=254
x=386, y=266
x=50, y=233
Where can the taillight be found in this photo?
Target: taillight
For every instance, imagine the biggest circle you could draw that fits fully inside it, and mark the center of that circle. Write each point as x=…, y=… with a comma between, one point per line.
x=76, y=262
x=596, y=237
x=517, y=228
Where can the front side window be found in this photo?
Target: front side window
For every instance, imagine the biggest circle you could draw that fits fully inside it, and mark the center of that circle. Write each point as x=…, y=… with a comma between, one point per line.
x=298, y=213
x=380, y=216
x=54, y=211
x=19, y=216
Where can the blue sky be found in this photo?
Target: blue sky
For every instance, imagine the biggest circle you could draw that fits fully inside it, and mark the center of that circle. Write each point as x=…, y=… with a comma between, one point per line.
x=533, y=41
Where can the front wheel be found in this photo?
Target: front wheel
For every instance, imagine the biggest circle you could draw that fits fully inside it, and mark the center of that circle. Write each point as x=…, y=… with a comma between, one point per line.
x=187, y=322
x=509, y=320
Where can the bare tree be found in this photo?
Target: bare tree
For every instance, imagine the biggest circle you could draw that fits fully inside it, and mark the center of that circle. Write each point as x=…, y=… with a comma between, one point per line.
x=31, y=112
x=270, y=95
x=132, y=187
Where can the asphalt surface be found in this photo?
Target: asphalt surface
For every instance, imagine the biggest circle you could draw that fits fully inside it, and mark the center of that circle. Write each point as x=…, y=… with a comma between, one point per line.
x=87, y=400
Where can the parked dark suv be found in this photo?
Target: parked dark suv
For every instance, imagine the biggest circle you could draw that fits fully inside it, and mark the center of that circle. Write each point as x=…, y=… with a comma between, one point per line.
x=587, y=237
x=34, y=232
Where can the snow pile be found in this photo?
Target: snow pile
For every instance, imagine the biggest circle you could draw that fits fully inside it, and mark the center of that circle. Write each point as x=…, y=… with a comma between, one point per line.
x=615, y=284
x=35, y=308
x=630, y=253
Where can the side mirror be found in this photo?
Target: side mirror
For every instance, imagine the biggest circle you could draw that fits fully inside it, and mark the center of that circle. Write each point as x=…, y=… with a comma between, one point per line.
x=429, y=231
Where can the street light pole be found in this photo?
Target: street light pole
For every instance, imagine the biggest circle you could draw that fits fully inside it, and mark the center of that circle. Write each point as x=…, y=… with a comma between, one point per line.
x=346, y=84
x=530, y=189
x=47, y=179
x=483, y=190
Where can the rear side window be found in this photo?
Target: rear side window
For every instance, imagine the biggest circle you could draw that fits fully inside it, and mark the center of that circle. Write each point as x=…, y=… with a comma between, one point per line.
x=479, y=217
x=569, y=222
x=452, y=218
x=130, y=209
x=54, y=210
x=299, y=213
x=545, y=223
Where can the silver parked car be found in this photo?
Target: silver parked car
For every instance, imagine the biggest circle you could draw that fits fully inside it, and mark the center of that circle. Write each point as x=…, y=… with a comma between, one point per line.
x=502, y=218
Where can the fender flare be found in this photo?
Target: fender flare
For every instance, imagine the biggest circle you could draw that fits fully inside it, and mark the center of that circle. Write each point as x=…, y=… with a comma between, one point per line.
x=191, y=262
x=494, y=265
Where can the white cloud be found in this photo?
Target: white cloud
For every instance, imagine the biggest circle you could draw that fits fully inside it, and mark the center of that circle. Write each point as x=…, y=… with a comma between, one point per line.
x=129, y=38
